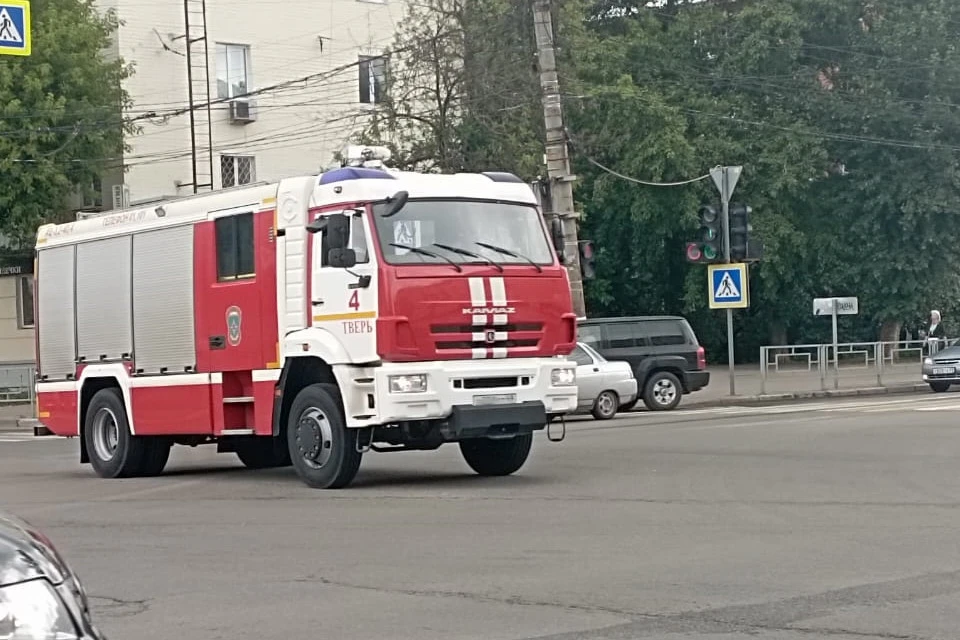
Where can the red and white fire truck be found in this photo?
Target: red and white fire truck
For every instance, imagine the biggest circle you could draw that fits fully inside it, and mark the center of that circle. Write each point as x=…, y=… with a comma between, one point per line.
x=306, y=322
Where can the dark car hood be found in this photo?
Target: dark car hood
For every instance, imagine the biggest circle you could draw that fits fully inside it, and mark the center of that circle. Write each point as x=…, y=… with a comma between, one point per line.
x=27, y=554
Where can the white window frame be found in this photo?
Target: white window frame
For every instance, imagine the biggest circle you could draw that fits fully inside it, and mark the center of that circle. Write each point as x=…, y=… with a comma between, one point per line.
x=236, y=157
x=223, y=51
x=21, y=309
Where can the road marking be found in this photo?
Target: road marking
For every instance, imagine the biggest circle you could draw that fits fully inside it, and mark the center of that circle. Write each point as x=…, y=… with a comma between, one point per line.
x=11, y=437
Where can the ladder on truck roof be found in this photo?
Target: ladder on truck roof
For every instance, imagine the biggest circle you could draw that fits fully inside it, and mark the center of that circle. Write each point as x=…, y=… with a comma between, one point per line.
x=86, y=215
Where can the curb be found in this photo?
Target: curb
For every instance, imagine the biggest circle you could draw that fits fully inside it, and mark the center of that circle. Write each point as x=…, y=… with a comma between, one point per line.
x=773, y=398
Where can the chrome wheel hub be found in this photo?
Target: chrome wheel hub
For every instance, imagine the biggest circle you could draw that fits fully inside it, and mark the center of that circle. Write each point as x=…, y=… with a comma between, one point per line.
x=106, y=434
x=314, y=438
x=664, y=392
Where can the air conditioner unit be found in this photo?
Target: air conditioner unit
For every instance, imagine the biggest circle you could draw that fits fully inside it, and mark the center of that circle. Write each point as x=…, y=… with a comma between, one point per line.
x=241, y=111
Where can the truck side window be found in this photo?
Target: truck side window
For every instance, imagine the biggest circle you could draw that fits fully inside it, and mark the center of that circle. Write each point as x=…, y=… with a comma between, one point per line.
x=235, y=253
x=358, y=239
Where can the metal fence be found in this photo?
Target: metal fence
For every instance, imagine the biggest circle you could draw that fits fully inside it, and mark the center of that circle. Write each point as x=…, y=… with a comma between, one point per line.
x=17, y=383
x=869, y=360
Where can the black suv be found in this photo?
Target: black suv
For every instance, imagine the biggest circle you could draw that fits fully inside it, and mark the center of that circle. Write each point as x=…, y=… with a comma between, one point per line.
x=663, y=352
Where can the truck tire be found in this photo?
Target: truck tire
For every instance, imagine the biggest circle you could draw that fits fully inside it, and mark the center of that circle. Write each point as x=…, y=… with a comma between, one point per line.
x=114, y=452
x=154, y=457
x=662, y=391
x=323, y=450
x=490, y=457
x=263, y=453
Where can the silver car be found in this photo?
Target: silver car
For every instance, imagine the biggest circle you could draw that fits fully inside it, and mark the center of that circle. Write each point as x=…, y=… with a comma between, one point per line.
x=603, y=385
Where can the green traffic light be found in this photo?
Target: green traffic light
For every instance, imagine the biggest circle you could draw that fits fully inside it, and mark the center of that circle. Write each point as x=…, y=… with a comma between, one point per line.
x=709, y=252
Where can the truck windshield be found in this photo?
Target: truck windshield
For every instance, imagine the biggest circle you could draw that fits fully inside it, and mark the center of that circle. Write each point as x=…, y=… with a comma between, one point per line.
x=448, y=225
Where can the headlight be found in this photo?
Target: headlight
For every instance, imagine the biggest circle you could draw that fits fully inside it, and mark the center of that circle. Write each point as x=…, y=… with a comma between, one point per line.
x=928, y=361
x=416, y=383
x=563, y=377
x=33, y=611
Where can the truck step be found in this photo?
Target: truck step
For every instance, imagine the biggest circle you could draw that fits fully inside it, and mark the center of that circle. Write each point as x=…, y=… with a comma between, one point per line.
x=237, y=432
x=238, y=400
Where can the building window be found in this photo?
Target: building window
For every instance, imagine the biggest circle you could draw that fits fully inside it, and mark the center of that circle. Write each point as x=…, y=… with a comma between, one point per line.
x=234, y=236
x=237, y=170
x=233, y=70
x=25, y=302
x=373, y=79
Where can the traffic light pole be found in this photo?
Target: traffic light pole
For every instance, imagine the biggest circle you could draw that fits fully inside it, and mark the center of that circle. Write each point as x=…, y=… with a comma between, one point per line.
x=726, y=180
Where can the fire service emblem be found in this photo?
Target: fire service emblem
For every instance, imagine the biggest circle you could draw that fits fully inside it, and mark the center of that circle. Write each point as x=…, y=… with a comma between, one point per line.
x=234, y=319
x=491, y=336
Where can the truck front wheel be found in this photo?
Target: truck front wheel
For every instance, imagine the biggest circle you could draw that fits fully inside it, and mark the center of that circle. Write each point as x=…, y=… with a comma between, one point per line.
x=496, y=457
x=323, y=450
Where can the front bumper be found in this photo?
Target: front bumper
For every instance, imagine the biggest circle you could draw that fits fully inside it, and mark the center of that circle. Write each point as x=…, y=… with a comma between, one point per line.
x=464, y=389
x=939, y=372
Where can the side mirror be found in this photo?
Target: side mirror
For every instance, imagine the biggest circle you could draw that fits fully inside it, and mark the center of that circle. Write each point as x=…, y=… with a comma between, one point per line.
x=396, y=202
x=337, y=226
x=342, y=258
x=556, y=231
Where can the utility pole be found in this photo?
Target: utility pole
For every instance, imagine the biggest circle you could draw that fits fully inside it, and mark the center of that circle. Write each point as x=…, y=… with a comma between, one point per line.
x=557, y=151
x=726, y=180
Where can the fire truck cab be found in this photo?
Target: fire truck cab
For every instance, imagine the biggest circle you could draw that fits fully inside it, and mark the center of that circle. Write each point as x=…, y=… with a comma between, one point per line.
x=306, y=322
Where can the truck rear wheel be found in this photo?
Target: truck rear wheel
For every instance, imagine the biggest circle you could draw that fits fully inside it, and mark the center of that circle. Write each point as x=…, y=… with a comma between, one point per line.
x=323, y=450
x=490, y=457
x=114, y=452
x=263, y=453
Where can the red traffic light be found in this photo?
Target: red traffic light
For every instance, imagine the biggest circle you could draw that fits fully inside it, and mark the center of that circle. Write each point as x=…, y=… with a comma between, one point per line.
x=693, y=252
x=586, y=250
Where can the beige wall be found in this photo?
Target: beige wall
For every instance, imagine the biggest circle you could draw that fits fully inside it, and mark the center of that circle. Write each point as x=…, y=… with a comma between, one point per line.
x=16, y=343
x=298, y=126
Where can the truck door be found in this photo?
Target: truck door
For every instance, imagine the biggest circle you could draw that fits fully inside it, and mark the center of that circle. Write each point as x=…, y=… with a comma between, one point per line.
x=344, y=301
x=231, y=270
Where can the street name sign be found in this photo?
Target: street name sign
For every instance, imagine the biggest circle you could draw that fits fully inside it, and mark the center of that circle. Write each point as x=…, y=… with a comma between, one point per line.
x=845, y=306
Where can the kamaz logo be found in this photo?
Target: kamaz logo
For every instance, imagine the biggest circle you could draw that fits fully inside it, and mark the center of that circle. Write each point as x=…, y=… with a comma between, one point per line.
x=474, y=311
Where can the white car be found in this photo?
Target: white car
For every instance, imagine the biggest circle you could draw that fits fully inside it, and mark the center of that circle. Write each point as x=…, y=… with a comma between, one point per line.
x=603, y=385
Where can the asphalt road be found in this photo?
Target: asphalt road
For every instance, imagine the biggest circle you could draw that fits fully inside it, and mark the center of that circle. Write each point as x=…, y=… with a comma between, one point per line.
x=827, y=520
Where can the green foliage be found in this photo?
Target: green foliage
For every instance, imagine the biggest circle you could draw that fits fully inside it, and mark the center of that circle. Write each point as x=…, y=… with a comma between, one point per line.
x=842, y=113
x=60, y=115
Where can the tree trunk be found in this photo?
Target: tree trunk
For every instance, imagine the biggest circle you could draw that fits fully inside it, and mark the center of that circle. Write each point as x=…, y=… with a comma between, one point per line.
x=890, y=334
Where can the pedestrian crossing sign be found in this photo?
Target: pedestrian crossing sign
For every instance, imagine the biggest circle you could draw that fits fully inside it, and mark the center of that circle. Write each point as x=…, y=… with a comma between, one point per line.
x=729, y=286
x=14, y=27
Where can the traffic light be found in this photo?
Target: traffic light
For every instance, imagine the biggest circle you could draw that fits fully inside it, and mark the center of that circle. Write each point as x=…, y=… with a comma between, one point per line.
x=707, y=248
x=740, y=229
x=587, y=270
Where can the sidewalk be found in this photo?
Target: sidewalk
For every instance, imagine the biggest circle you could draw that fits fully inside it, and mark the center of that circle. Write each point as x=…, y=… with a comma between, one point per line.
x=802, y=384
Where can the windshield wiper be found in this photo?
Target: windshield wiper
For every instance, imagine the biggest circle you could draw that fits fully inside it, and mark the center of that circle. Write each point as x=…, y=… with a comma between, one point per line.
x=424, y=252
x=469, y=254
x=512, y=254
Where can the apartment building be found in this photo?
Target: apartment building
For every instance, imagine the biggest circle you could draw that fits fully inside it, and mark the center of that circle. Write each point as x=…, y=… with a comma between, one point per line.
x=288, y=83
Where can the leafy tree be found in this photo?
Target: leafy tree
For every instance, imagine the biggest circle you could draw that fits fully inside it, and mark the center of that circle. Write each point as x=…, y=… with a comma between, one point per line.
x=420, y=115
x=457, y=99
x=60, y=114
x=842, y=113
